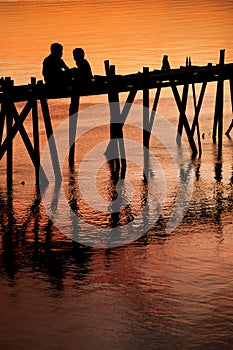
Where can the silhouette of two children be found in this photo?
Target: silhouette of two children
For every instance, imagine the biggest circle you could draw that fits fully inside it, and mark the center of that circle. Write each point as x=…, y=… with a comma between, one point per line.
x=57, y=74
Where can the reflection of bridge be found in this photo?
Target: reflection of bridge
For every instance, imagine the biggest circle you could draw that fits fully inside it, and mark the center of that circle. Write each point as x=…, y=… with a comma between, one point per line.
x=34, y=242
x=112, y=85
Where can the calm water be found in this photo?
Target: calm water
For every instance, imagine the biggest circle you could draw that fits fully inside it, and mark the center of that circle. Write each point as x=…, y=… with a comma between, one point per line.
x=163, y=291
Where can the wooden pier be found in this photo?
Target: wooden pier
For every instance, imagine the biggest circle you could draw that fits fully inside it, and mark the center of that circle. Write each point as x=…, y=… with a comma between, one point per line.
x=112, y=84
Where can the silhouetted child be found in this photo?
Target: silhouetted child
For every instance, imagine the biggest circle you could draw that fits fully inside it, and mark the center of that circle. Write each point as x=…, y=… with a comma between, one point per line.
x=55, y=71
x=82, y=75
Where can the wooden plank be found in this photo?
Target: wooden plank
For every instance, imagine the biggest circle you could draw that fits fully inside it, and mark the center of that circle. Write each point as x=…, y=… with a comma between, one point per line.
x=181, y=75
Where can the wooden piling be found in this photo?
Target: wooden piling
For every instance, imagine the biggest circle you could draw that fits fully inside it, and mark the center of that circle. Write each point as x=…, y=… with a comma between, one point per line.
x=184, y=101
x=9, y=153
x=116, y=145
x=231, y=91
x=35, y=130
x=51, y=141
x=166, y=66
x=229, y=129
x=73, y=111
x=154, y=108
x=218, y=115
x=9, y=122
x=197, y=109
x=2, y=122
x=146, y=106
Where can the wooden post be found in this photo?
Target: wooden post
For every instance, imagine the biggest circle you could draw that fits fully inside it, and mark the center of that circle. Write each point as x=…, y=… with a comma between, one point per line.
x=231, y=90
x=197, y=108
x=116, y=145
x=184, y=105
x=9, y=122
x=218, y=115
x=146, y=121
x=50, y=138
x=229, y=129
x=2, y=121
x=154, y=108
x=166, y=67
x=74, y=106
x=35, y=127
x=146, y=106
x=9, y=155
x=128, y=103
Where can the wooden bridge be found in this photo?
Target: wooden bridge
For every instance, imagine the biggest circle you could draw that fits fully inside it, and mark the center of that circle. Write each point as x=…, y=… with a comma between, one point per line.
x=112, y=85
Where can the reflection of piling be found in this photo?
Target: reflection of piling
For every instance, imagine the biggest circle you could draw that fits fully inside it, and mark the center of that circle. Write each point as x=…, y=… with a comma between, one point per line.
x=187, y=77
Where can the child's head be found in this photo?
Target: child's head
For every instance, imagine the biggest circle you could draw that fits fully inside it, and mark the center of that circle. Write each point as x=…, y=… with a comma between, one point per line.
x=56, y=49
x=78, y=54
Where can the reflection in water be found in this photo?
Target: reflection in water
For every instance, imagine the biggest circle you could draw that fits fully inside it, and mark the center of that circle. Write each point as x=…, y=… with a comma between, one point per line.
x=156, y=281
x=45, y=248
x=35, y=243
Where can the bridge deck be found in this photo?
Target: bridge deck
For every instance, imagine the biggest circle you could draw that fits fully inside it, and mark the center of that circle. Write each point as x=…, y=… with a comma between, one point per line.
x=123, y=83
